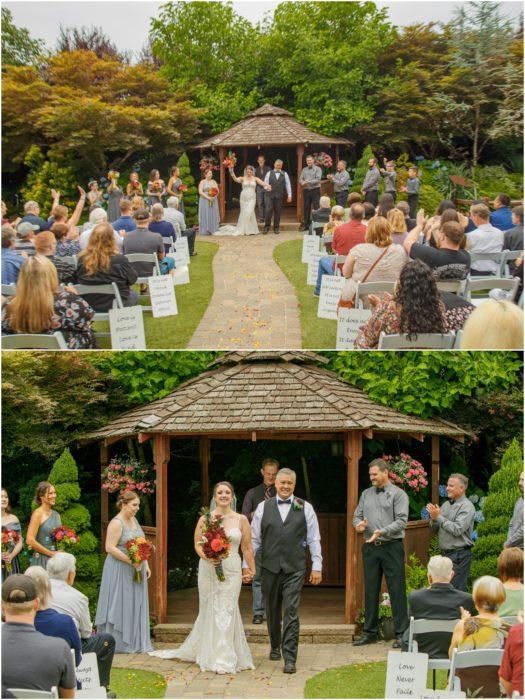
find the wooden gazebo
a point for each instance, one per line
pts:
(268, 127)
(272, 396)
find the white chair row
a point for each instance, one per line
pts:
(34, 341)
(502, 259)
(430, 627)
(471, 659)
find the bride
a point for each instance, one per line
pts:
(247, 223)
(217, 641)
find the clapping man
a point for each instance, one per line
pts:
(259, 494)
(454, 522)
(382, 514)
(342, 183)
(370, 185)
(310, 181)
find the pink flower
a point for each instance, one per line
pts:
(129, 470)
(413, 483)
(424, 482)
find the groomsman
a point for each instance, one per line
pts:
(371, 182)
(342, 183)
(310, 181)
(261, 171)
(259, 494)
(283, 527)
(382, 514)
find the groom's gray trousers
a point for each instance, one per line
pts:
(282, 596)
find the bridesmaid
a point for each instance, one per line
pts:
(209, 218)
(43, 520)
(156, 188)
(11, 522)
(123, 608)
(173, 187)
(115, 195)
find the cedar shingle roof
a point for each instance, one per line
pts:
(268, 126)
(267, 391)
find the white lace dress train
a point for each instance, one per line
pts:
(217, 641)
(247, 222)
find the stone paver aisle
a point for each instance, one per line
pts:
(266, 681)
(253, 304)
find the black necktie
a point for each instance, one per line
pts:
(280, 503)
(380, 489)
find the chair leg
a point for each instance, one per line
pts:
(433, 679)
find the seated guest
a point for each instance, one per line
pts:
(175, 215)
(159, 225)
(353, 198)
(49, 621)
(513, 237)
(12, 260)
(386, 204)
(65, 246)
(378, 259)
(510, 573)
(405, 210)
(32, 216)
(26, 237)
(101, 263)
(46, 245)
(398, 222)
(322, 215)
(511, 669)
(408, 312)
(494, 325)
(369, 212)
(69, 601)
(441, 601)
(346, 236)
(449, 261)
(501, 217)
(125, 221)
(39, 306)
(142, 240)
(484, 631)
(484, 239)
(30, 660)
(96, 217)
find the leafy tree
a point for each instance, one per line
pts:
(361, 169)
(46, 174)
(497, 512)
(88, 39)
(223, 106)
(18, 48)
(191, 194)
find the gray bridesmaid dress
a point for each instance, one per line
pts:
(43, 537)
(114, 198)
(209, 218)
(123, 607)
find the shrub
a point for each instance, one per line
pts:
(497, 511)
(45, 174)
(190, 195)
(77, 517)
(415, 574)
(66, 494)
(361, 168)
(64, 470)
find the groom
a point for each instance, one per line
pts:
(282, 527)
(273, 203)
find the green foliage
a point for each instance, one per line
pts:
(64, 469)
(191, 197)
(361, 169)
(18, 48)
(224, 105)
(77, 517)
(26, 495)
(45, 174)
(66, 494)
(429, 199)
(88, 544)
(493, 179)
(497, 511)
(415, 574)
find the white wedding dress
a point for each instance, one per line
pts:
(217, 641)
(247, 223)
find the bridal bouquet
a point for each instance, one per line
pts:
(215, 542)
(10, 538)
(230, 160)
(139, 550)
(64, 537)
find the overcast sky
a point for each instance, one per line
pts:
(127, 21)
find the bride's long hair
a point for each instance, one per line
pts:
(213, 503)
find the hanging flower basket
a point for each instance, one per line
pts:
(126, 474)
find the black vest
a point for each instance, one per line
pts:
(283, 544)
(278, 185)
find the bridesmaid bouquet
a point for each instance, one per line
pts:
(139, 550)
(215, 542)
(157, 185)
(64, 537)
(9, 539)
(182, 187)
(213, 192)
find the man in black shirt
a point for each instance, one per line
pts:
(449, 262)
(254, 496)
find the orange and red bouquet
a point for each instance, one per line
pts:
(230, 160)
(215, 542)
(10, 538)
(139, 550)
(64, 537)
(182, 187)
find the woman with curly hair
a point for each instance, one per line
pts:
(416, 307)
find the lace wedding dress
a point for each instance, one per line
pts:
(217, 641)
(247, 223)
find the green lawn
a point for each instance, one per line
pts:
(128, 683)
(317, 333)
(174, 332)
(357, 681)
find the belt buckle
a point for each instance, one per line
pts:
(378, 543)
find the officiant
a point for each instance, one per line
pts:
(254, 496)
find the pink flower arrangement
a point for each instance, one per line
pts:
(125, 474)
(407, 472)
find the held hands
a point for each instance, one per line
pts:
(371, 540)
(433, 511)
(360, 527)
(247, 575)
(315, 578)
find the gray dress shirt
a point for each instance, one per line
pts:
(341, 181)
(311, 177)
(413, 185)
(455, 524)
(386, 511)
(390, 180)
(515, 534)
(371, 181)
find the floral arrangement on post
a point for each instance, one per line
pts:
(323, 160)
(208, 163)
(409, 474)
(125, 474)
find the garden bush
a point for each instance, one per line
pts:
(361, 169)
(497, 512)
(44, 175)
(190, 196)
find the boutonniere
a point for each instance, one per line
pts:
(298, 504)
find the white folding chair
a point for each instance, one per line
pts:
(424, 341)
(506, 257)
(147, 258)
(317, 228)
(430, 627)
(455, 286)
(470, 659)
(168, 240)
(85, 290)
(366, 288)
(485, 284)
(510, 620)
(99, 692)
(457, 341)
(8, 290)
(34, 341)
(24, 693)
(494, 257)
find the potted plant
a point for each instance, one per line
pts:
(387, 629)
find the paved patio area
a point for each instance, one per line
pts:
(185, 680)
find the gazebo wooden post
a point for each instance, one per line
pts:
(245, 156)
(204, 455)
(434, 492)
(104, 496)
(300, 154)
(353, 448)
(336, 153)
(161, 455)
(222, 186)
